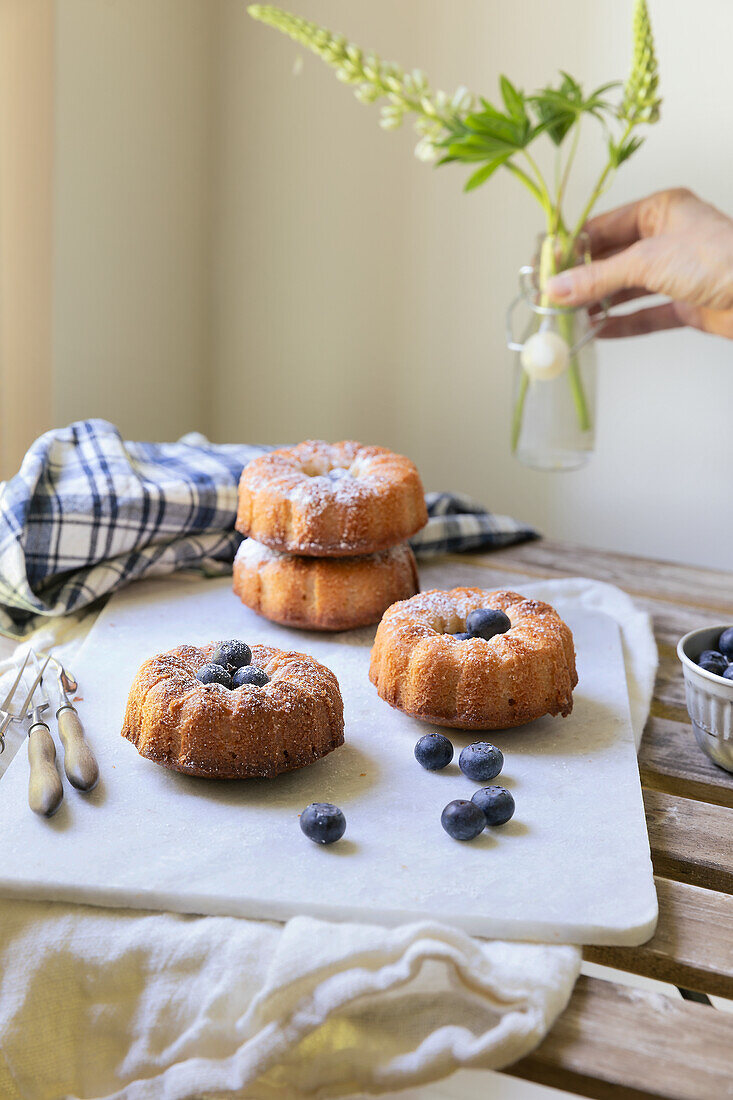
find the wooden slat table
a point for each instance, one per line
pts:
(614, 1041)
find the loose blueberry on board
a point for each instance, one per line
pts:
(481, 761)
(434, 751)
(463, 820)
(322, 822)
(461, 637)
(214, 674)
(713, 662)
(250, 674)
(725, 643)
(486, 622)
(496, 803)
(232, 654)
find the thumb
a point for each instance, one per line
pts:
(596, 280)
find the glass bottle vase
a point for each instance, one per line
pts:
(553, 407)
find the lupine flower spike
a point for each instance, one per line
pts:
(403, 93)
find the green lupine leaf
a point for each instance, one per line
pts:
(472, 148)
(494, 125)
(555, 120)
(570, 83)
(485, 172)
(513, 100)
(601, 89)
(618, 153)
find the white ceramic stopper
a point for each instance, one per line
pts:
(545, 355)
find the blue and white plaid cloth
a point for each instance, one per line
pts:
(88, 513)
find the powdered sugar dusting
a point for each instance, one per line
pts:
(253, 553)
(331, 498)
(209, 729)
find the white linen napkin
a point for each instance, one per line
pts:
(103, 1003)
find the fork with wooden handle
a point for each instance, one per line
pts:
(80, 764)
(45, 792)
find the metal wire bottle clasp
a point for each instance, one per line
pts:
(529, 294)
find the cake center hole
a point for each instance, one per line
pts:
(323, 468)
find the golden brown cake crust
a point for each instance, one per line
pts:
(208, 730)
(291, 500)
(508, 681)
(323, 593)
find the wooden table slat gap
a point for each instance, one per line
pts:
(617, 1042)
(692, 946)
(670, 760)
(690, 841)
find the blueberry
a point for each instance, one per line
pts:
(710, 653)
(725, 643)
(463, 820)
(485, 622)
(461, 637)
(728, 674)
(214, 674)
(434, 751)
(496, 803)
(232, 654)
(250, 674)
(481, 761)
(323, 822)
(714, 662)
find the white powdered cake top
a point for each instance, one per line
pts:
(254, 553)
(289, 674)
(445, 611)
(315, 473)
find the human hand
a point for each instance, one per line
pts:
(670, 243)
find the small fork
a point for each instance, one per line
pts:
(45, 792)
(7, 716)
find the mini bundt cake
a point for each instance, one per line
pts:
(287, 713)
(330, 499)
(323, 593)
(426, 662)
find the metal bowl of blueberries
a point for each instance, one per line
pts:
(707, 663)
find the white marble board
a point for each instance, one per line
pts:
(572, 866)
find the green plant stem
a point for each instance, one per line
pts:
(565, 176)
(565, 323)
(518, 414)
(528, 182)
(599, 187)
(540, 181)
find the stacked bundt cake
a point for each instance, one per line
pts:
(326, 527)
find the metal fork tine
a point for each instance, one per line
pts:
(31, 693)
(37, 663)
(6, 701)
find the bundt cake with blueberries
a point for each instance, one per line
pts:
(323, 593)
(474, 659)
(330, 499)
(225, 711)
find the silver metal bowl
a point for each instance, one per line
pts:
(709, 698)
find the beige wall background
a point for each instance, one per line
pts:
(240, 249)
(26, 224)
